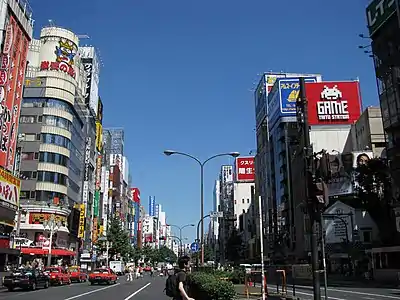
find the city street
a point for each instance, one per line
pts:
(141, 289)
(345, 293)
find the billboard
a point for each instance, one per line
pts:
(85, 189)
(81, 231)
(152, 204)
(245, 169)
(227, 174)
(157, 211)
(88, 67)
(12, 76)
(99, 116)
(95, 232)
(333, 103)
(92, 65)
(378, 12)
(9, 190)
(135, 195)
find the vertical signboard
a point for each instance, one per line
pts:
(96, 202)
(81, 231)
(85, 190)
(88, 66)
(95, 230)
(245, 169)
(12, 73)
(152, 203)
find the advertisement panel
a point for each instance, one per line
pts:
(40, 218)
(88, 66)
(9, 190)
(95, 230)
(245, 169)
(378, 12)
(333, 103)
(86, 175)
(99, 137)
(135, 195)
(12, 76)
(152, 204)
(289, 89)
(157, 211)
(81, 231)
(99, 116)
(227, 174)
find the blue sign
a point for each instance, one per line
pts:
(152, 204)
(194, 247)
(289, 89)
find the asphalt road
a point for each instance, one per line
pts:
(141, 289)
(345, 293)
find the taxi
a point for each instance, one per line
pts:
(103, 275)
(58, 275)
(76, 274)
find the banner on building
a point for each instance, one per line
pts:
(96, 203)
(9, 190)
(95, 230)
(85, 190)
(99, 137)
(81, 232)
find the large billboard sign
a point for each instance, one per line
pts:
(135, 195)
(333, 103)
(378, 12)
(9, 190)
(245, 169)
(12, 77)
(227, 174)
(88, 66)
(82, 219)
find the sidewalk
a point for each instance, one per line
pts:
(255, 293)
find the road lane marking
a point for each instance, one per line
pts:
(311, 295)
(351, 292)
(91, 292)
(136, 292)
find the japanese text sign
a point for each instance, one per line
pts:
(245, 169)
(9, 190)
(81, 232)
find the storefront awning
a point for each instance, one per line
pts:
(40, 251)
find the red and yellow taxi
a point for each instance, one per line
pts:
(103, 275)
(58, 275)
(76, 274)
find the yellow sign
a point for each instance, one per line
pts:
(39, 218)
(9, 190)
(101, 230)
(99, 136)
(81, 232)
(95, 230)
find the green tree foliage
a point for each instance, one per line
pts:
(374, 191)
(167, 255)
(119, 240)
(208, 254)
(154, 256)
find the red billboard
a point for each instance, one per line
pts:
(333, 103)
(135, 195)
(13, 65)
(245, 169)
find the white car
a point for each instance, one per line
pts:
(331, 93)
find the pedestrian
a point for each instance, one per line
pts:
(181, 276)
(151, 271)
(131, 272)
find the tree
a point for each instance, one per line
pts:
(119, 239)
(208, 254)
(374, 191)
(167, 255)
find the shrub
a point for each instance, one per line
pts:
(209, 287)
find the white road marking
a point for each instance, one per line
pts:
(311, 295)
(137, 292)
(351, 292)
(91, 292)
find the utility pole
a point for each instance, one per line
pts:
(309, 178)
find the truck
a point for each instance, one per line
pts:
(118, 267)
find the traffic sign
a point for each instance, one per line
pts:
(216, 214)
(194, 247)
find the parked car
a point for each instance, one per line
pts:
(105, 275)
(76, 274)
(26, 279)
(58, 275)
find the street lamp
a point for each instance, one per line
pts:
(180, 228)
(52, 226)
(202, 164)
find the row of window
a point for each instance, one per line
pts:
(45, 176)
(47, 120)
(41, 195)
(53, 103)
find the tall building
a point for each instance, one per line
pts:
(383, 26)
(17, 26)
(264, 184)
(56, 141)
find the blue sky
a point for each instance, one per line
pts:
(177, 75)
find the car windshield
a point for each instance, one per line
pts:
(22, 272)
(52, 270)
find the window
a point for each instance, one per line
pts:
(27, 155)
(248, 200)
(56, 139)
(48, 196)
(367, 236)
(24, 194)
(52, 177)
(27, 119)
(26, 175)
(30, 137)
(57, 122)
(242, 200)
(54, 158)
(40, 119)
(235, 201)
(33, 194)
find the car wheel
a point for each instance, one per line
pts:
(46, 285)
(10, 288)
(33, 286)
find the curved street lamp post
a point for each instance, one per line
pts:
(201, 164)
(180, 228)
